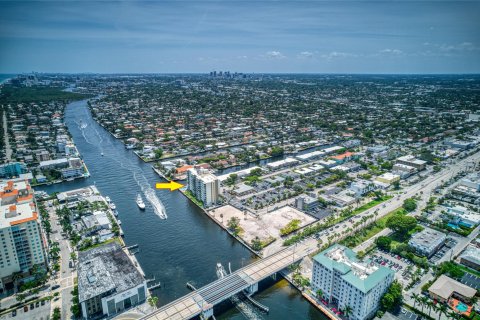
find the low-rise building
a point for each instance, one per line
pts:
(108, 282)
(306, 203)
(12, 169)
(388, 178)
(471, 257)
(362, 187)
(345, 281)
(427, 241)
(445, 288)
(410, 160)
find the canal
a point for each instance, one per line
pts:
(184, 247)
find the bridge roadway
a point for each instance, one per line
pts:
(206, 297)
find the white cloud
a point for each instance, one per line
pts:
(336, 54)
(274, 55)
(305, 55)
(391, 51)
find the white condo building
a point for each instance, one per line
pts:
(21, 238)
(204, 185)
(346, 281)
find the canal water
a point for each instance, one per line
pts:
(186, 246)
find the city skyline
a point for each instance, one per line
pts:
(265, 37)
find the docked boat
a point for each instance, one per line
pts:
(140, 202)
(119, 222)
(115, 213)
(113, 206)
(108, 199)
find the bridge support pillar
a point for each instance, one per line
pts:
(207, 313)
(253, 288)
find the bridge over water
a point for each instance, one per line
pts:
(201, 301)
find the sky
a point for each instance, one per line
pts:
(302, 36)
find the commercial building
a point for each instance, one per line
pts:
(388, 178)
(306, 203)
(427, 241)
(242, 189)
(413, 162)
(22, 241)
(108, 282)
(12, 169)
(445, 288)
(204, 185)
(362, 187)
(403, 170)
(344, 280)
(471, 257)
(287, 162)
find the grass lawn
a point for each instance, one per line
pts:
(194, 200)
(371, 230)
(371, 204)
(468, 270)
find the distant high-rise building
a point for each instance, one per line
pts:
(345, 281)
(22, 241)
(204, 185)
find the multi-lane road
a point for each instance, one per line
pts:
(422, 189)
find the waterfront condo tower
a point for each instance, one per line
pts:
(21, 239)
(343, 280)
(204, 185)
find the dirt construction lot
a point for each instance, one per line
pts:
(268, 225)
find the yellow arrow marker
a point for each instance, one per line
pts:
(172, 185)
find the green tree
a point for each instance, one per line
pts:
(158, 153)
(234, 225)
(152, 301)
(384, 242)
(57, 314)
(401, 224)
(257, 244)
(410, 204)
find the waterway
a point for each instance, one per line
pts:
(184, 247)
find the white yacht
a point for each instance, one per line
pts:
(140, 202)
(108, 199)
(113, 206)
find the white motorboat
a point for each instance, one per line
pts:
(113, 206)
(140, 202)
(108, 199)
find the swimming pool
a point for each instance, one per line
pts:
(461, 307)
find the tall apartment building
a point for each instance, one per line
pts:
(346, 281)
(21, 240)
(204, 185)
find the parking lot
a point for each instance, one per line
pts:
(449, 244)
(404, 269)
(405, 314)
(33, 311)
(471, 280)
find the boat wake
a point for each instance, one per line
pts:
(137, 173)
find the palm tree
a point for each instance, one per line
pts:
(319, 293)
(416, 298)
(430, 305)
(152, 301)
(423, 302)
(15, 277)
(347, 311)
(442, 309)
